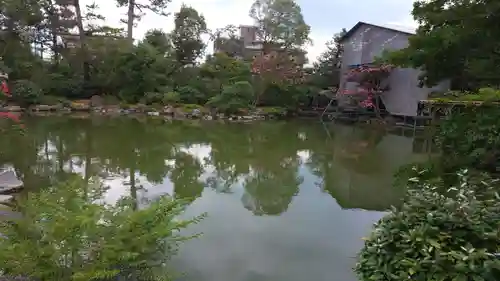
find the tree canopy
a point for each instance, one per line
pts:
(456, 40)
(58, 50)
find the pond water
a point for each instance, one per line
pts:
(285, 200)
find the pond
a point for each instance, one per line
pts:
(285, 200)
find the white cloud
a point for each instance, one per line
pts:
(218, 13)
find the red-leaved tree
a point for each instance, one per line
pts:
(276, 67)
(371, 81)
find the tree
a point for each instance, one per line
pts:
(455, 40)
(155, 6)
(70, 236)
(326, 72)
(186, 37)
(233, 97)
(280, 22)
(159, 40)
(220, 70)
(283, 32)
(94, 59)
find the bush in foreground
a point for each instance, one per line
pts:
(64, 234)
(450, 237)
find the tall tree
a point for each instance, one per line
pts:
(280, 22)
(456, 40)
(155, 6)
(282, 30)
(326, 71)
(189, 26)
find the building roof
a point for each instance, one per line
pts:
(395, 28)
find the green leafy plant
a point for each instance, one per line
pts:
(471, 138)
(65, 233)
(436, 236)
(171, 98)
(25, 92)
(233, 97)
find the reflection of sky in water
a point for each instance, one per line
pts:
(313, 240)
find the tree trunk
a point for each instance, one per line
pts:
(130, 21)
(133, 188)
(83, 42)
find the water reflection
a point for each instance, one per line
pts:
(286, 201)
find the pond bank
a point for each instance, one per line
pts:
(178, 112)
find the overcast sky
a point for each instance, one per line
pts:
(326, 17)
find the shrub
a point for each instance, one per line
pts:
(190, 107)
(471, 138)
(151, 98)
(233, 97)
(189, 94)
(25, 92)
(110, 100)
(435, 236)
(274, 111)
(65, 234)
(171, 98)
(51, 100)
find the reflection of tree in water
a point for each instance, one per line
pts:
(358, 151)
(356, 171)
(270, 194)
(264, 157)
(185, 176)
(273, 181)
(261, 155)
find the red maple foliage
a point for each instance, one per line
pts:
(278, 67)
(9, 115)
(369, 79)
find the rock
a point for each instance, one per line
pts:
(140, 108)
(80, 106)
(168, 110)
(208, 117)
(13, 108)
(5, 198)
(96, 101)
(178, 113)
(42, 107)
(196, 113)
(153, 113)
(9, 214)
(9, 181)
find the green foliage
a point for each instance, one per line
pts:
(65, 234)
(437, 237)
(51, 100)
(455, 40)
(109, 64)
(483, 94)
(233, 97)
(187, 41)
(470, 138)
(151, 98)
(189, 94)
(171, 98)
(26, 92)
(280, 21)
(326, 71)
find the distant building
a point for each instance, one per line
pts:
(362, 44)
